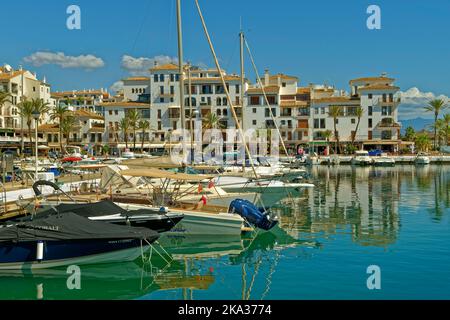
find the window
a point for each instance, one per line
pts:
(116, 112)
(283, 84)
(272, 100)
(161, 78)
(177, 77)
(391, 97)
(172, 90)
(225, 113)
(161, 89)
(132, 90)
(219, 112)
(254, 110)
(384, 97)
(322, 110)
(370, 96)
(386, 111)
(34, 89)
(238, 89)
(225, 101)
(254, 100)
(172, 77)
(159, 113)
(155, 78)
(370, 110)
(322, 124)
(353, 121)
(110, 112)
(254, 122)
(370, 123)
(161, 100)
(316, 124)
(218, 101)
(171, 100)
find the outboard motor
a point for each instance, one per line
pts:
(254, 215)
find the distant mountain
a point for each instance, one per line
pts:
(417, 123)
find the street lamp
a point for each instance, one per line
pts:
(36, 116)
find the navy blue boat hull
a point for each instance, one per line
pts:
(57, 253)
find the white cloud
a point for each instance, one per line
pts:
(140, 66)
(414, 101)
(116, 87)
(41, 58)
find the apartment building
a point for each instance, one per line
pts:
(205, 88)
(378, 126)
(20, 84)
(88, 100)
(87, 132)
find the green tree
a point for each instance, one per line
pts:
(134, 117)
(423, 143)
(124, 126)
(67, 124)
(335, 112)
(212, 121)
(446, 120)
(436, 106)
(410, 134)
(144, 126)
(58, 114)
(359, 112)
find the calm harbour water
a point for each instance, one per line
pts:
(396, 218)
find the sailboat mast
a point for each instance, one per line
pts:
(181, 72)
(241, 38)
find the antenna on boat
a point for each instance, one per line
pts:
(266, 98)
(241, 38)
(227, 92)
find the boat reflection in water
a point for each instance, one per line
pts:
(119, 281)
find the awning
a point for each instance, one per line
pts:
(382, 143)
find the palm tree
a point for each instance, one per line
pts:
(133, 117)
(58, 113)
(335, 112)
(144, 126)
(446, 121)
(423, 142)
(124, 126)
(359, 112)
(212, 122)
(436, 106)
(66, 126)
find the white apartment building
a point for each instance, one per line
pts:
(136, 89)
(87, 100)
(20, 84)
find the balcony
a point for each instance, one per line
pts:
(387, 102)
(388, 123)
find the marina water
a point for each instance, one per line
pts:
(394, 218)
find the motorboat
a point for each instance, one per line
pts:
(362, 158)
(69, 239)
(199, 218)
(383, 161)
(157, 219)
(422, 159)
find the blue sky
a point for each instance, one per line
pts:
(323, 41)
